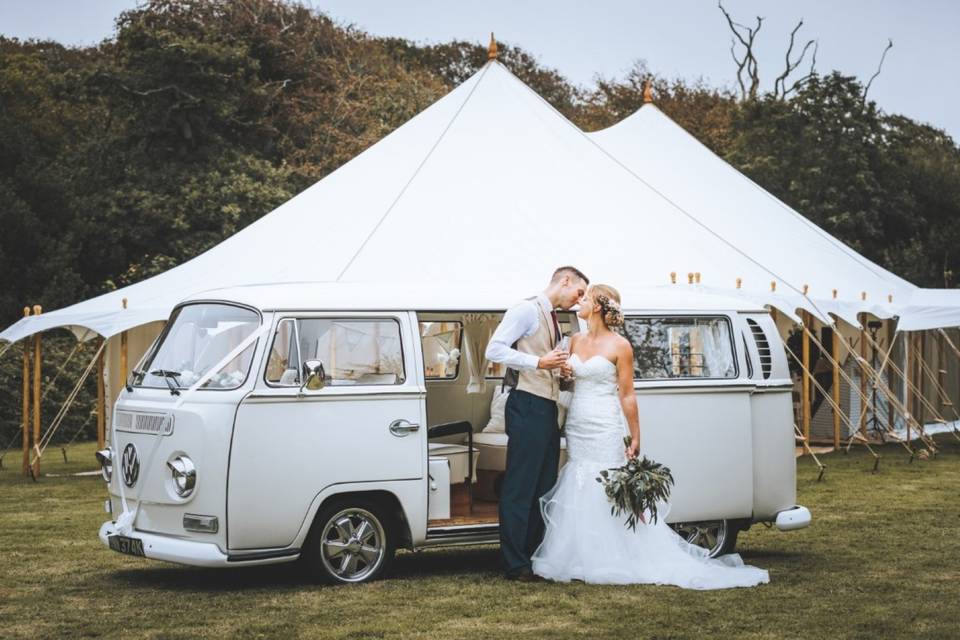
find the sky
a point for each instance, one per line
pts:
(685, 38)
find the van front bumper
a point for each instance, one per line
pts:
(196, 553)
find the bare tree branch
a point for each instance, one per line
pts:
(749, 62)
(883, 57)
(740, 65)
(813, 66)
(780, 84)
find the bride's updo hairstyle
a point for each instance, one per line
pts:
(609, 300)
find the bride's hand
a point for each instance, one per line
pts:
(633, 450)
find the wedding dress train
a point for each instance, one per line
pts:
(583, 541)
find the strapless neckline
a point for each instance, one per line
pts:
(597, 355)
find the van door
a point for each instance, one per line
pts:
(366, 425)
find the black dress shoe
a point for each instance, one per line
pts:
(524, 575)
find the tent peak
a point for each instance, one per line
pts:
(647, 91)
(492, 50)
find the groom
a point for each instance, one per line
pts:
(527, 343)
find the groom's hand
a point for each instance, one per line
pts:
(553, 360)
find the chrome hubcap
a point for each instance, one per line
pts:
(353, 544)
(709, 535)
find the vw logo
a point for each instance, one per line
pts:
(130, 465)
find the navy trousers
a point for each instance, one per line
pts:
(533, 457)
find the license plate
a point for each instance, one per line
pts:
(129, 546)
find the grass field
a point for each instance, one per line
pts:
(881, 560)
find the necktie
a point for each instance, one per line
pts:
(556, 327)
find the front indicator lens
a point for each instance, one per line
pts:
(105, 458)
(184, 475)
(202, 524)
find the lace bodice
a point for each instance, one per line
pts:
(595, 425)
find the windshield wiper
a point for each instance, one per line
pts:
(166, 375)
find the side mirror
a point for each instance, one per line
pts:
(314, 376)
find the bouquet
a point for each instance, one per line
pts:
(636, 487)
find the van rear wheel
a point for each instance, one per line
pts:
(718, 537)
(351, 541)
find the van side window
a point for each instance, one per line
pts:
(353, 351)
(681, 347)
(442, 349)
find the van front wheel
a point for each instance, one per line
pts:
(350, 542)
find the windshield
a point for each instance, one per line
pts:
(199, 337)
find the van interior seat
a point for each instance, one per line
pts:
(492, 446)
(289, 378)
(456, 455)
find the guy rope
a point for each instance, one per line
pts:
(941, 395)
(877, 381)
(40, 447)
(923, 435)
(826, 396)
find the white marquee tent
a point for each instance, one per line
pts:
(491, 185)
(661, 153)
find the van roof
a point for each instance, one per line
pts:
(335, 296)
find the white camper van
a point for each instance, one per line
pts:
(335, 423)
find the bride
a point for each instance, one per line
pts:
(583, 541)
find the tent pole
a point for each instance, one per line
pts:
(912, 381)
(26, 402)
(123, 355)
(836, 385)
(37, 310)
(921, 363)
(892, 336)
(805, 399)
(942, 370)
(862, 317)
(101, 401)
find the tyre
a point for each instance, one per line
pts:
(351, 541)
(718, 537)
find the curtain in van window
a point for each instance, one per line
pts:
(478, 328)
(716, 348)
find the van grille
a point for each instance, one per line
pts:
(763, 347)
(155, 423)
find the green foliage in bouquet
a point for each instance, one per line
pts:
(636, 487)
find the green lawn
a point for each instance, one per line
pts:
(881, 560)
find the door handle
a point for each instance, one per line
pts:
(401, 428)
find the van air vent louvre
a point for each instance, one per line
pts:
(763, 347)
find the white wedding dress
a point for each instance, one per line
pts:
(583, 541)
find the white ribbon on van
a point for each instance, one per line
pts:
(126, 520)
(227, 359)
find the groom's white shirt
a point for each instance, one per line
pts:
(520, 321)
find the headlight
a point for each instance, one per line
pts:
(184, 475)
(105, 458)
